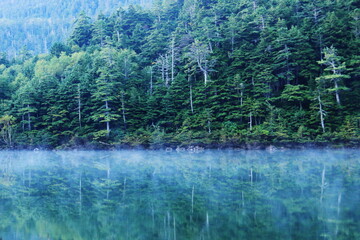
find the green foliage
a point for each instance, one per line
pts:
(82, 32)
(192, 71)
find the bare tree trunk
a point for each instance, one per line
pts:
(167, 79)
(201, 53)
(191, 96)
(29, 118)
(118, 36)
(337, 92)
(335, 72)
(107, 121)
(205, 76)
(322, 114)
(79, 105)
(123, 108)
(172, 59)
(210, 47)
(250, 122)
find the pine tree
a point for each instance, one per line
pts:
(106, 88)
(334, 72)
(82, 33)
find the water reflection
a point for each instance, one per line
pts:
(170, 195)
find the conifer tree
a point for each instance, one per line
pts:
(82, 32)
(334, 72)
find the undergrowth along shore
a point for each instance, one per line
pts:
(193, 146)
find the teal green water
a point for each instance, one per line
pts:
(309, 194)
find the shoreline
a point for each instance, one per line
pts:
(271, 146)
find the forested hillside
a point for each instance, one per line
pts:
(36, 24)
(192, 71)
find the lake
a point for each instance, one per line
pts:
(291, 194)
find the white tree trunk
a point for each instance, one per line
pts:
(167, 79)
(29, 118)
(335, 72)
(241, 97)
(337, 92)
(123, 108)
(172, 59)
(322, 114)
(118, 36)
(79, 105)
(210, 47)
(191, 98)
(250, 122)
(205, 76)
(107, 121)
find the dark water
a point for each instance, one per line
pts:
(312, 194)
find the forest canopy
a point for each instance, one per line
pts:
(191, 71)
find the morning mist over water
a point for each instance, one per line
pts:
(297, 194)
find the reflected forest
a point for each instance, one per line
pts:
(311, 194)
(180, 72)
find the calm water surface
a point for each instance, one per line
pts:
(312, 194)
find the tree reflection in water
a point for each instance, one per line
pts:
(310, 194)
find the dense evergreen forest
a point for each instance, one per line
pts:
(191, 71)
